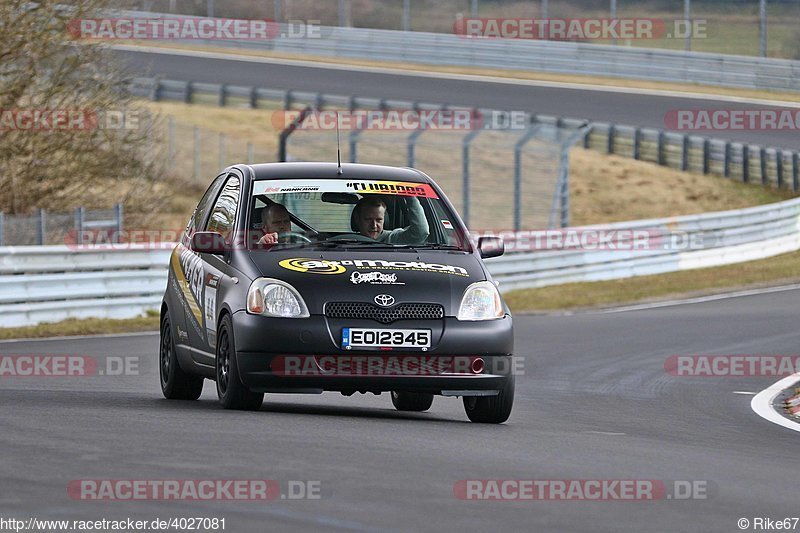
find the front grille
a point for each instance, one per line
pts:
(384, 315)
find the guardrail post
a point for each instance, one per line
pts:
(706, 156)
(118, 215)
(254, 98)
(746, 163)
(41, 221)
(155, 91)
(187, 93)
(779, 167)
(637, 143)
(79, 215)
(250, 154)
(351, 103)
(726, 160)
(2, 234)
(412, 144)
(762, 163)
(660, 152)
(221, 96)
(518, 175)
(196, 149)
(612, 133)
(795, 169)
(465, 184)
(287, 99)
(221, 150)
(685, 153)
(278, 11)
(283, 139)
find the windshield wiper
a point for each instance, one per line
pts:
(438, 246)
(357, 242)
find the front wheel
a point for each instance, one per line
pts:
(232, 393)
(412, 401)
(175, 383)
(491, 409)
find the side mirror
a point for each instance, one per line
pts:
(491, 247)
(208, 242)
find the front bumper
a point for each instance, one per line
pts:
(263, 346)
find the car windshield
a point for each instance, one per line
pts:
(351, 213)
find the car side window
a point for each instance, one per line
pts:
(203, 206)
(223, 216)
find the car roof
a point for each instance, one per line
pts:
(319, 170)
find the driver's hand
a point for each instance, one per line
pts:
(268, 238)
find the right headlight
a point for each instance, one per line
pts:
(276, 298)
(481, 301)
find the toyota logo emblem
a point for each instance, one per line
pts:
(384, 300)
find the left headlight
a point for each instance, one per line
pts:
(481, 301)
(276, 298)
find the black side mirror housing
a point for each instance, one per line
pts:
(491, 247)
(208, 242)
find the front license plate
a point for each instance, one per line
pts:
(386, 338)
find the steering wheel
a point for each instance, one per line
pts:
(351, 237)
(291, 234)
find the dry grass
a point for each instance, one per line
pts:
(774, 271)
(610, 188)
(88, 326)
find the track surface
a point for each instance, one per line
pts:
(594, 403)
(630, 109)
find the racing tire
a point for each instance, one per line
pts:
(175, 383)
(412, 401)
(491, 409)
(232, 393)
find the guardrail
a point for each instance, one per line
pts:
(674, 66)
(51, 283)
(741, 161)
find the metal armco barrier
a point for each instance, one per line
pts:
(51, 283)
(721, 70)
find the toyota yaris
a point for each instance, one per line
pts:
(313, 277)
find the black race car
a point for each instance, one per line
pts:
(312, 277)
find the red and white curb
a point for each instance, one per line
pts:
(762, 403)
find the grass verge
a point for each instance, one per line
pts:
(774, 271)
(87, 326)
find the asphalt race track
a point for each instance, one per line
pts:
(631, 109)
(594, 403)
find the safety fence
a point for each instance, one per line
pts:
(45, 227)
(744, 162)
(51, 283)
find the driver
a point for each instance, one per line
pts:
(369, 216)
(275, 220)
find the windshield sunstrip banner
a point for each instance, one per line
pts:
(402, 188)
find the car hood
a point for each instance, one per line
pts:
(359, 276)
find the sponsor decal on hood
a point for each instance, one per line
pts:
(324, 266)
